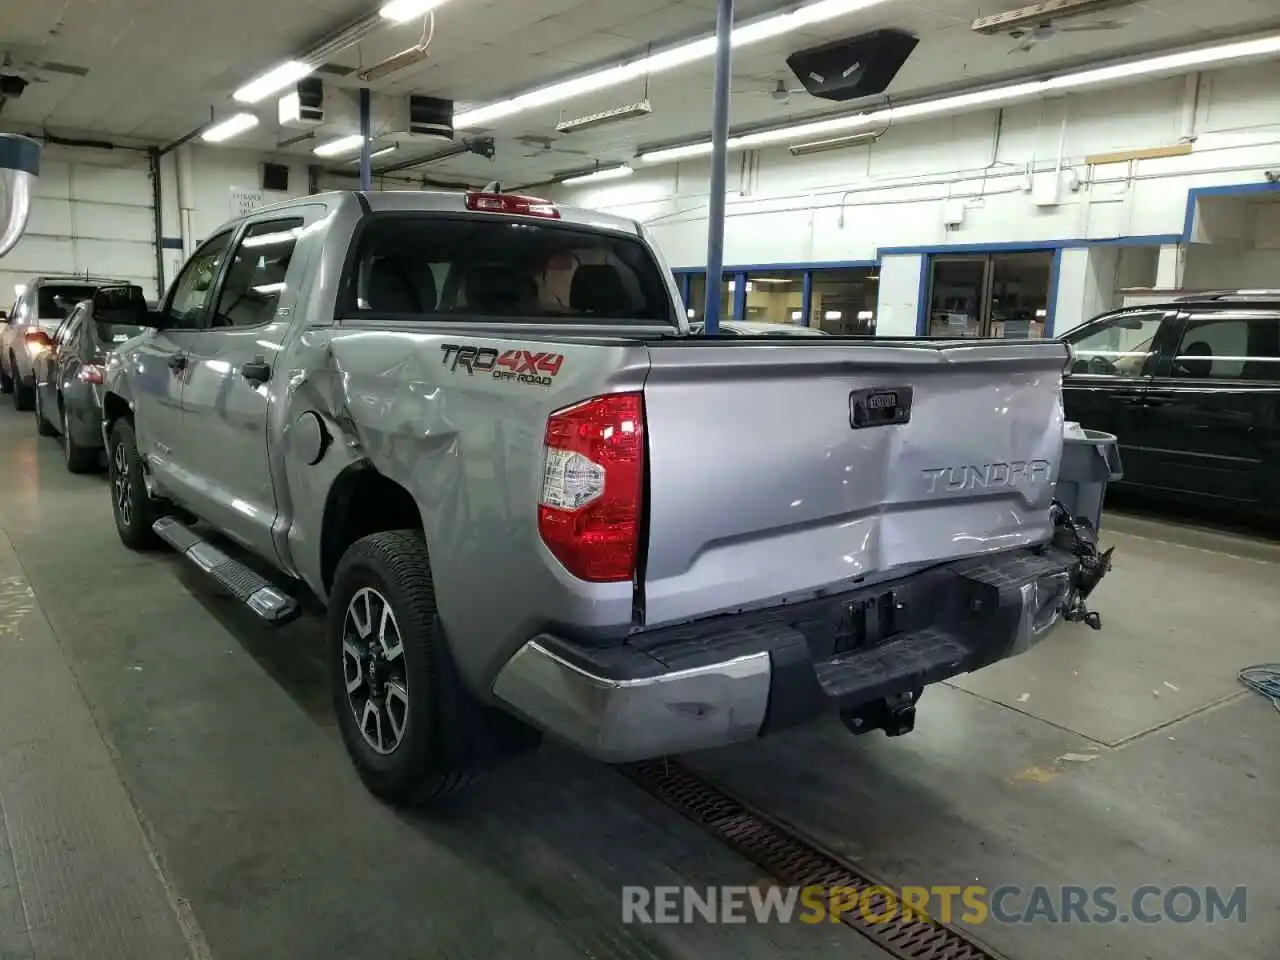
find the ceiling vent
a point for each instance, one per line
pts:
(1039, 14)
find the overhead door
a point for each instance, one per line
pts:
(92, 215)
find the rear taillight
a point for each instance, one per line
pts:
(590, 511)
(90, 373)
(37, 341)
(511, 203)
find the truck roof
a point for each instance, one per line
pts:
(435, 201)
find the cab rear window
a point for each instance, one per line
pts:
(55, 301)
(501, 268)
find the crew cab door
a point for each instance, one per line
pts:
(231, 365)
(1106, 388)
(1214, 413)
(157, 364)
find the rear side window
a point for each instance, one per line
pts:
(467, 267)
(1230, 348)
(56, 301)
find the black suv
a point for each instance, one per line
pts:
(1192, 390)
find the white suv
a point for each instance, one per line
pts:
(41, 305)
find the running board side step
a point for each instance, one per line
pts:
(263, 598)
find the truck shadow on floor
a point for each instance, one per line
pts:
(292, 655)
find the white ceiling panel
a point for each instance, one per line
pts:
(156, 68)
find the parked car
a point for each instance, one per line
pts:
(528, 501)
(1191, 388)
(757, 328)
(68, 375)
(41, 305)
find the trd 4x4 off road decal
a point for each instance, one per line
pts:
(522, 366)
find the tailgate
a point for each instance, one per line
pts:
(777, 470)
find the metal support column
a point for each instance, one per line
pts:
(719, 165)
(366, 146)
(807, 295)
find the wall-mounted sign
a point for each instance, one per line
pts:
(245, 200)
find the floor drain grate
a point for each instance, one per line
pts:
(797, 861)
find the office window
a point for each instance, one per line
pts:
(844, 301)
(775, 297)
(698, 296)
(1230, 348)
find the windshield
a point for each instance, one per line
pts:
(55, 301)
(501, 268)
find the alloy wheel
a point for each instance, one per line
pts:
(121, 483)
(374, 670)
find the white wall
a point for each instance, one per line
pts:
(1219, 267)
(849, 204)
(198, 187)
(94, 211)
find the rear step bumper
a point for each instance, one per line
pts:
(254, 591)
(736, 677)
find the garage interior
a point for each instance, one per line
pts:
(171, 782)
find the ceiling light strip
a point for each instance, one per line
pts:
(231, 127)
(1262, 47)
(691, 51)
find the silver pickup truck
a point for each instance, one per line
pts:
(476, 427)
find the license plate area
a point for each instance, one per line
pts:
(879, 406)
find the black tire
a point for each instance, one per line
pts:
(128, 488)
(43, 426)
(427, 762)
(79, 459)
(24, 397)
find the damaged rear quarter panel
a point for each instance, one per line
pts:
(458, 420)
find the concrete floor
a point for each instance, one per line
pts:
(172, 783)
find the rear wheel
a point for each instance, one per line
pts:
(79, 459)
(24, 397)
(43, 426)
(134, 511)
(388, 671)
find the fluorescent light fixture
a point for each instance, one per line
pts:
(341, 145)
(230, 127)
(866, 315)
(266, 288)
(629, 112)
(771, 280)
(1166, 64)
(380, 152)
(691, 51)
(796, 316)
(402, 11)
(595, 176)
(835, 143)
(832, 315)
(690, 313)
(273, 81)
(1041, 314)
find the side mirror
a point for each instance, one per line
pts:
(123, 304)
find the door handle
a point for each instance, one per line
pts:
(256, 371)
(178, 362)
